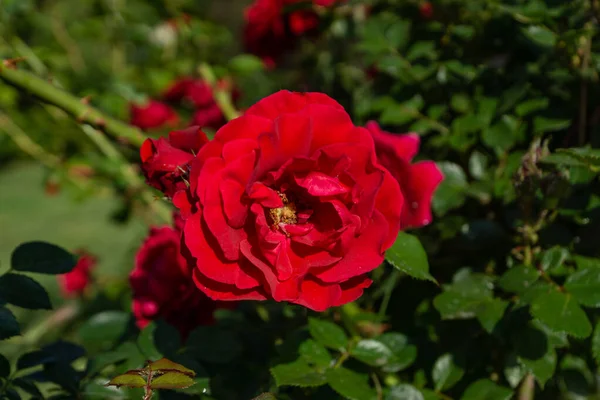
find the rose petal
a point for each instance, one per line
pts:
(318, 296)
(219, 291)
(418, 186)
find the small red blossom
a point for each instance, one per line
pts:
(153, 114)
(75, 282)
(165, 162)
(162, 284)
(417, 181)
(426, 10)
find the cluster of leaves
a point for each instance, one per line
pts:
(505, 96)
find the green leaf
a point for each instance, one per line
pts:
(561, 313)
(519, 278)
(542, 368)
(404, 392)
(315, 353)
(484, 389)
(399, 114)
(42, 257)
(587, 155)
(421, 49)
(350, 384)
(166, 364)
(490, 312)
(584, 285)
(130, 379)
(146, 344)
(460, 102)
(102, 330)
(167, 338)
(213, 344)
(403, 353)
(596, 344)
(478, 165)
(503, 135)
(328, 334)
(407, 255)
(446, 373)
(554, 258)
(23, 291)
(451, 193)
(172, 380)
(542, 124)
(529, 106)
(9, 326)
(372, 352)
(464, 298)
(297, 373)
(4, 367)
(540, 35)
(246, 64)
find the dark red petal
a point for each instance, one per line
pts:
(320, 184)
(147, 150)
(215, 267)
(418, 187)
(363, 256)
(245, 127)
(352, 289)
(235, 210)
(291, 137)
(329, 125)
(219, 291)
(390, 202)
(318, 296)
(404, 146)
(284, 101)
(190, 139)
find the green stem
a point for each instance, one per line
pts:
(222, 96)
(78, 108)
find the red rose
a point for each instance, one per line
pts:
(165, 161)
(265, 33)
(74, 283)
(417, 181)
(426, 10)
(162, 285)
(195, 91)
(289, 202)
(153, 114)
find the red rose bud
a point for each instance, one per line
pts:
(426, 10)
(165, 162)
(303, 21)
(153, 114)
(162, 284)
(417, 181)
(289, 203)
(75, 282)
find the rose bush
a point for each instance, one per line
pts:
(290, 202)
(162, 286)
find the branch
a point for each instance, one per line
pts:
(84, 113)
(222, 96)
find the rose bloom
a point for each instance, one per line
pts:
(289, 202)
(75, 282)
(165, 162)
(153, 114)
(417, 181)
(270, 31)
(162, 285)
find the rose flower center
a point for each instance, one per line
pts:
(285, 215)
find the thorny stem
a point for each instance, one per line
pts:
(222, 95)
(26, 144)
(83, 112)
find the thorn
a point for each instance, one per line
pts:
(86, 100)
(12, 62)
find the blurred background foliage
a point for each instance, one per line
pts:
(506, 98)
